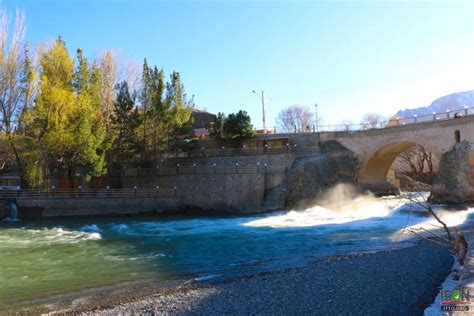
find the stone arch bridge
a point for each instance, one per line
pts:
(376, 149)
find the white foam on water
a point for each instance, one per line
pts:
(57, 235)
(340, 205)
(450, 218)
(94, 236)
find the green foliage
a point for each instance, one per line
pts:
(234, 126)
(125, 121)
(180, 123)
(153, 110)
(64, 127)
(73, 115)
(165, 112)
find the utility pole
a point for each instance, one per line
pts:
(262, 98)
(316, 117)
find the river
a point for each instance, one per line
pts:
(42, 259)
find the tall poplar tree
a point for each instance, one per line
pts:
(64, 123)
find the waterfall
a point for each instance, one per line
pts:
(13, 212)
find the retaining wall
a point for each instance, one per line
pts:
(59, 207)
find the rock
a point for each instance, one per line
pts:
(310, 176)
(453, 182)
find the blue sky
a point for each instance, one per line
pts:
(349, 57)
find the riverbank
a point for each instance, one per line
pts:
(401, 281)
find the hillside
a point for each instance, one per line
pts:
(452, 102)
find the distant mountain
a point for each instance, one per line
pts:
(452, 102)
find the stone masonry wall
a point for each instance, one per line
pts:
(58, 207)
(230, 191)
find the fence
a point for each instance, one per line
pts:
(265, 150)
(377, 124)
(90, 193)
(195, 169)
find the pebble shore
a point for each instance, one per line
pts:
(394, 282)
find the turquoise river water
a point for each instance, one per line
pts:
(42, 259)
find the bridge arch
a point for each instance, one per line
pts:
(374, 170)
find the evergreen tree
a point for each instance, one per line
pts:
(125, 121)
(238, 126)
(159, 111)
(234, 126)
(28, 78)
(218, 126)
(180, 109)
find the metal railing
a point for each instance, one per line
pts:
(90, 193)
(379, 124)
(242, 151)
(237, 168)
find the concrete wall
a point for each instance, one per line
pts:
(58, 207)
(231, 188)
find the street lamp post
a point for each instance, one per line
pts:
(316, 117)
(262, 98)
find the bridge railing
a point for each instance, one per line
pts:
(376, 124)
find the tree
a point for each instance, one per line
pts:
(28, 81)
(132, 76)
(16, 78)
(238, 126)
(218, 126)
(180, 123)
(158, 111)
(296, 118)
(109, 69)
(453, 240)
(234, 126)
(372, 120)
(125, 121)
(64, 129)
(420, 162)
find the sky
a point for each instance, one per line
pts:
(349, 57)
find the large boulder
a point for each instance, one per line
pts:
(310, 176)
(453, 182)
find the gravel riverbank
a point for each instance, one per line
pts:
(396, 282)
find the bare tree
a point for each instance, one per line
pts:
(296, 118)
(10, 69)
(12, 76)
(133, 75)
(420, 161)
(452, 239)
(110, 68)
(372, 120)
